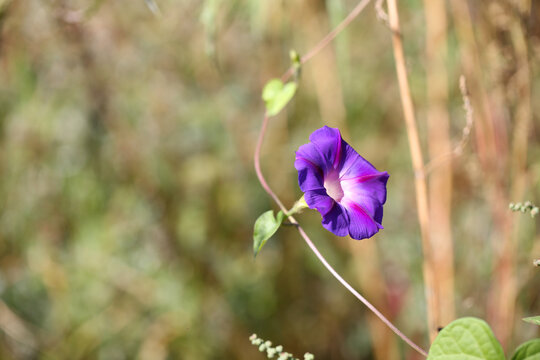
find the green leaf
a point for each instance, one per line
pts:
(271, 89)
(466, 339)
(277, 96)
(265, 226)
(529, 350)
(533, 320)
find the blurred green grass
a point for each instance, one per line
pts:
(128, 194)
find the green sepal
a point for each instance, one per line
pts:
(298, 206)
(265, 226)
(277, 95)
(466, 339)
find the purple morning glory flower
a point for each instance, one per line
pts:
(343, 186)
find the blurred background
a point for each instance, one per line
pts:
(128, 194)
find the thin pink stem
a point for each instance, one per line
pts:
(257, 164)
(317, 253)
(358, 296)
(332, 34)
(325, 41)
(328, 38)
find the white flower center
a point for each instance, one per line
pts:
(333, 186)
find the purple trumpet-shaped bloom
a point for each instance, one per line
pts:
(343, 186)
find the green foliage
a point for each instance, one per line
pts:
(533, 320)
(466, 339)
(528, 351)
(276, 95)
(265, 226)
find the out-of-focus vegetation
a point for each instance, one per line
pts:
(128, 194)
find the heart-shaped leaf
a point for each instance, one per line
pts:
(533, 320)
(265, 226)
(276, 95)
(466, 339)
(529, 350)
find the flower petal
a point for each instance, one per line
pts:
(328, 143)
(362, 225)
(354, 165)
(336, 220)
(319, 199)
(328, 163)
(310, 176)
(369, 191)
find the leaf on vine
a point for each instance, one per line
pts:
(533, 320)
(529, 350)
(265, 226)
(277, 95)
(466, 339)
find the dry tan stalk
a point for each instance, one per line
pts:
(505, 282)
(432, 300)
(440, 180)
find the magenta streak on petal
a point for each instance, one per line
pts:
(346, 170)
(362, 178)
(321, 154)
(360, 208)
(337, 158)
(318, 169)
